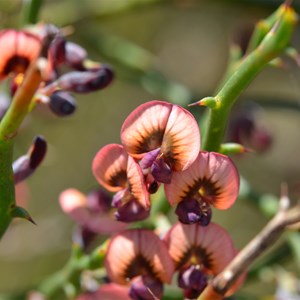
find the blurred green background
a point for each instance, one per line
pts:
(172, 50)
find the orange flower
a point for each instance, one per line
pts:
(120, 173)
(140, 256)
(212, 179)
(17, 50)
(164, 136)
(199, 253)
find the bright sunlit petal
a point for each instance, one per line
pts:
(143, 129)
(109, 167)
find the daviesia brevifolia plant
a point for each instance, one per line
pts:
(158, 186)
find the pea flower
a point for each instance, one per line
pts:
(120, 173)
(138, 256)
(163, 136)
(199, 253)
(212, 180)
(91, 212)
(17, 50)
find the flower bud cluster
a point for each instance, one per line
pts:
(20, 48)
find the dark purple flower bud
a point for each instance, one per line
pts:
(152, 187)
(75, 55)
(149, 158)
(246, 129)
(62, 103)
(57, 50)
(161, 171)
(192, 280)
(37, 152)
(131, 211)
(25, 165)
(99, 201)
(191, 211)
(145, 288)
(87, 81)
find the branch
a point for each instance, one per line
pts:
(285, 217)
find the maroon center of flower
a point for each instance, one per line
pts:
(16, 64)
(204, 190)
(148, 141)
(196, 256)
(119, 179)
(139, 266)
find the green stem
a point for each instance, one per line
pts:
(31, 9)
(8, 130)
(53, 286)
(7, 187)
(271, 46)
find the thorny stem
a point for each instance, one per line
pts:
(8, 129)
(9, 125)
(271, 46)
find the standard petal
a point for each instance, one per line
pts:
(210, 246)
(17, 50)
(109, 167)
(212, 177)
(28, 45)
(137, 185)
(181, 142)
(136, 252)
(121, 251)
(143, 129)
(179, 240)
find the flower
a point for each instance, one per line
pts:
(120, 173)
(164, 136)
(212, 180)
(140, 256)
(17, 50)
(92, 212)
(199, 253)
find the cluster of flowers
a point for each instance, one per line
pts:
(160, 145)
(198, 254)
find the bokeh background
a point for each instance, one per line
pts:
(175, 50)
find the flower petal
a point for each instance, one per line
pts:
(129, 245)
(143, 129)
(214, 172)
(75, 204)
(137, 185)
(211, 245)
(109, 167)
(181, 142)
(17, 50)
